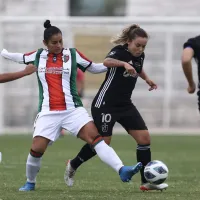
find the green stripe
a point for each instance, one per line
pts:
(36, 63)
(81, 67)
(73, 88)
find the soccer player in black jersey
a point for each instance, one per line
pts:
(113, 101)
(191, 49)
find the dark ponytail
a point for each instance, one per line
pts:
(47, 24)
(50, 30)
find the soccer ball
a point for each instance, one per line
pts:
(156, 172)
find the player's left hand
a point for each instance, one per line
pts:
(191, 88)
(153, 86)
(30, 68)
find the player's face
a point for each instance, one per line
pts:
(55, 44)
(137, 46)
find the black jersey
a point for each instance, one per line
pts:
(194, 43)
(116, 90)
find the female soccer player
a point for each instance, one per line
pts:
(113, 101)
(60, 106)
(7, 77)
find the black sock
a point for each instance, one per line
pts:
(85, 154)
(143, 156)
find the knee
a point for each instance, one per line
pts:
(144, 138)
(36, 154)
(88, 133)
(37, 149)
(107, 140)
(90, 137)
(39, 144)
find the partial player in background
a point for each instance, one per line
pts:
(113, 101)
(191, 49)
(61, 107)
(7, 77)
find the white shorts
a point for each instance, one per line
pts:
(48, 124)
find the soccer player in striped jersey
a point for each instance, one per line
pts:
(61, 107)
(11, 76)
(113, 101)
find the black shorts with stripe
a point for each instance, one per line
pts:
(106, 117)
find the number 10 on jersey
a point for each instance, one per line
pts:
(106, 117)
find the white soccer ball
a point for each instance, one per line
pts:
(156, 172)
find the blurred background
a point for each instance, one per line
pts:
(88, 25)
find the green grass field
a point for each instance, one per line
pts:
(94, 180)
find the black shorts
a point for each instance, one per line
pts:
(128, 117)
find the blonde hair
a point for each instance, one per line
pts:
(129, 33)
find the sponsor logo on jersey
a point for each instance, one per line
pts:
(126, 74)
(53, 70)
(112, 53)
(137, 64)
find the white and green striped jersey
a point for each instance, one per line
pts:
(57, 77)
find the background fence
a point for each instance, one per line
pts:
(168, 109)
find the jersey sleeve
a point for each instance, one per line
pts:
(29, 57)
(117, 53)
(82, 62)
(191, 43)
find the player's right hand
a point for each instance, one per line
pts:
(3, 52)
(30, 68)
(130, 69)
(191, 88)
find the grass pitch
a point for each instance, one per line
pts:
(95, 180)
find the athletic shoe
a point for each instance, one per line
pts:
(27, 187)
(149, 186)
(127, 172)
(69, 174)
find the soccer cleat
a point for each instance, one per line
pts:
(69, 174)
(27, 187)
(127, 172)
(149, 186)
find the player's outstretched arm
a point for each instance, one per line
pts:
(97, 68)
(16, 57)
(111, 62)
(186, 59)
(17, 75)
(143, 75)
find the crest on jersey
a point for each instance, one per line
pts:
(111, 53)
(137, 64)
(65, 58)
(104, 128)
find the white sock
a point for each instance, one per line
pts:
(32, 168)
(108, 156)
